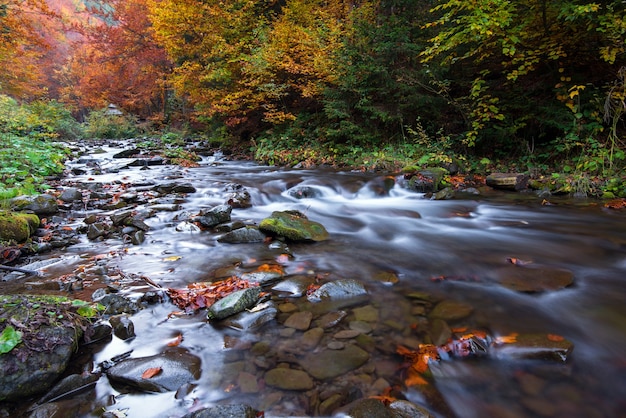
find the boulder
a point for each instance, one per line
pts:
(428, 180)
(234, 303)
(39, 335)
(18, 227)
(43, 204)
(507, 181)
(214, 216)
(171, 370)
(293, 226)
(245, 235)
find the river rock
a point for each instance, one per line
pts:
(288, 379)
(214, 216)
(537, 346)
(263, 278)
(534, 279)
(338, 294)
(49, 329)
(224, 411)
(311, 338)
(406, 409)
(451, 310)
(234, 303)
(427, 180)
(70, 385)
(299, 320)
(293, 287)
(238, 197)
(507, 181)
(43, 204)
(293, 226)
(304, 192)
(123, 327)
(16, 226)
(253, 319)
(328, 364)
(117, 304)
(71, 194)
(369, 408)
(177, 367)
(167, 188)
(245, 235)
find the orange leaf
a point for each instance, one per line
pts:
(414, 379)
(555, 337)
(507, 339)
(176, 341)
(151, 372)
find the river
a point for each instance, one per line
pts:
(455, 249)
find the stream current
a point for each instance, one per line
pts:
(451, 249)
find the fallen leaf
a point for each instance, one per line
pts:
(172, 258)
(151, 372)
(555, 337)
(176, 342)
(506, 339)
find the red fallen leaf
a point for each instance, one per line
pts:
(176, 342)
(506, 339)
(616, 204)
(555, 337)
(312, 288)
(151, 372)
(283, 258)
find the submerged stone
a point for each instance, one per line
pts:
(294, 226)
(329, 364)
(288, 379)
(534, 280)
(537, 346)
(450, 310)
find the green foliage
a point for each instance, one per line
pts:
(28, 153)
(9, 339)
(104, 124)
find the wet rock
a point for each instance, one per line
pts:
(534, 279)
(186, 226)
(386, 277)
(225, 411)
(366, 313)
(360, 326)
(299, 320)
(245, 235)
(507, 181)
(427, 181)
(440, 332)
(263, 278)
(338, 290)
(444, 194)
(294, 287)
(137, 237)
(117, 304)
(71, 194)
(43, 204)
(70, 386)
(99, 331)
(214, 216)
(304, 192)
(240, 199)
(293, 226)
(123, 327)
(168, 188)
(406, 409)
(177, 367)
(311, 338)
(536, 346)
(331, 319)
(328, 364)
(288, 379)
(234, 303)
(251, 320)
(229, 226)
(96, 230)
(49, 333)
(16, 226)
(450, 310)
(369, 408)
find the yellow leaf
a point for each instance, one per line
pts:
(172, 258)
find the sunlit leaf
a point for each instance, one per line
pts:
(151, 372)
(506, 339)
(555, 337)
(172, 258)
(9, 339)
(176, 341)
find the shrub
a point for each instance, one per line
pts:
(103, 124)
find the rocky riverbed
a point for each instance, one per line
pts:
(237, 289)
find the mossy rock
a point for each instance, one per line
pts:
(17, 226)
(49, 329)
(293, 226)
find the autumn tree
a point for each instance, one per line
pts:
(22, 44)
(118, 62)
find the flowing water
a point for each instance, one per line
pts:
(454, 249)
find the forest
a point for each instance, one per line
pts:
(513, 85)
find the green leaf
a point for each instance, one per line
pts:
(9, 339)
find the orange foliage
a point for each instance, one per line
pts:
(203, 295)
(151, 372)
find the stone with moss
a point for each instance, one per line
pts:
(17, 226)
(43, 204)
(49, 329)
(428, 180)
(293, 226)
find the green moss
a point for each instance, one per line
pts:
(17, 227)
